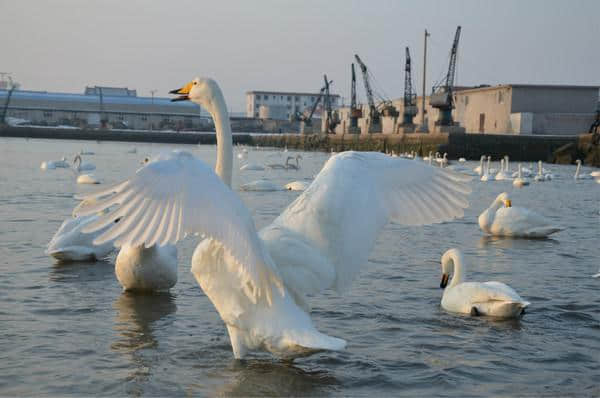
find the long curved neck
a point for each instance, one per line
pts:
(224, 164)
(578, 169)
(458, 276)
(520, 174)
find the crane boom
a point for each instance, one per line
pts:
(442, 94)
(410, 109)
(373, 113)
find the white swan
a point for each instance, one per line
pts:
(597, 275)
(79, 165)
(486, 170)
(479, 169)
(501, 219)
(501, 175)
(540, 176)
(54, 164)
(519, 181)
(258, 284)
(69, 243)
(87, 179)
(140, 268)
(462, 160)
(261, 186)
(476, 298)
(578, 175)
(296, 185)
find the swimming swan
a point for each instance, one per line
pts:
(501, 219)
(578, 175)
(476, 298)
(79, 165)
(296, 185)
(258, 281)
(519, 181)
(54, 164)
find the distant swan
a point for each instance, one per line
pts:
(55, 164)
(80, 165)
(87, 179)
(519, 181)
(501, 219)
(261, 185)
(476, 298)
(297, 185)
(578, 175)
(259, 281)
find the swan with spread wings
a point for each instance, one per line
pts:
(258, 280)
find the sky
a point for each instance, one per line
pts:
(287, 45)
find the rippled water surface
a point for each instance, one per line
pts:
(69, 330)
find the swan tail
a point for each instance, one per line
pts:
(596, 276)
(501, 309)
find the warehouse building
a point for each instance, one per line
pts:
(110, 107)
(278, 105)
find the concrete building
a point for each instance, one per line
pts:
(108, 106)
(515, 109)
(281, 105)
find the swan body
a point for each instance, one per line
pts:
(54, 164)
(258, 281)
(479, 169)
(501, 175)
(462, 160)
(87, 179)
(146, 269)
(260, 185)
(519, 181)
(80, 165)
(297, 185)
(252, 166)
(488, 298)
(70, 243)
(501, 219)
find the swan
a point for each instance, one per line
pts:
(519, 181)
(501, 219)
(87, 179)
(540, 177)
(479, 169)
(507, 165)
(140, 268)
(261, 185)
(297, 185)
(258, 281)
(291, 166)
(476, 298)
(462, 160)
(486, 171)
(252, 166)
(597, 275)
(54, 164)
(70, 243)
(578, 175)
(501, 175)
(79, 165)
(595, 174)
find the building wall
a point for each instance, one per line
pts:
(291, 101)
(485, 110)
(554, 99)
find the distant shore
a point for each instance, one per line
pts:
(552, 149)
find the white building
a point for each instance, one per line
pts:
(281, 105)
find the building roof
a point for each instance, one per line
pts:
(510, 85)
(294, 93)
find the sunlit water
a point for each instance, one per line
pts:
(69, 330)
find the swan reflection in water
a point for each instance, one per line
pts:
(86, 274)
(267, 377)
(136, 324)
(505, 242)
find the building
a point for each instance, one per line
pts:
(517, 109)
(104, 106)
(282, 105)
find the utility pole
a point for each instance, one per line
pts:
(152, 112)
(423, 125)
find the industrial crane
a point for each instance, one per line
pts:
(410, 106)
(442, 94)
(373, 113)
(355, 113)
(307, 119)
(332, 120)
(12, 88)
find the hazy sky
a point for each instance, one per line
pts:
(64, 45)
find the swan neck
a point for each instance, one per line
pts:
(578, 169)
(220, 115)
(458, 276)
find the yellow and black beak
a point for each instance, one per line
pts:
(444, 281)
(184, 91)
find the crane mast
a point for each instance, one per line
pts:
(373, 113)
(442, 94)
(410, 108)
(331, 121)
(355, 113)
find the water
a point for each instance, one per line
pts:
(68, 330)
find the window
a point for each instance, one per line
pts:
(266, 97)
(144, 117)
(289, 98)
(312, 99)
(297, 98)
(48, 114)
(282, 97)
(256, 114)
(500, 97)
(466, 100)
(257, 105)
(120, 116)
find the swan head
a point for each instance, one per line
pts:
(203, 91)
(450, 259)
(503, 198)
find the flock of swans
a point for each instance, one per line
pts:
(259, 280)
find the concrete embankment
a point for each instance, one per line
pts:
(470, 146)
(120, 135)
(553, 149)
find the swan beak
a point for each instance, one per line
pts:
(444, 281)
(507, 203)
(185, 90)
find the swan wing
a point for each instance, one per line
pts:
(177, 194)
(342, 212)
(468, 293)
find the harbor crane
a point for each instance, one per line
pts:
(332, 119)
(442, 94)
(410, 103)
(355, 112)
(12, 86)
(307, 118)
(385, 108)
